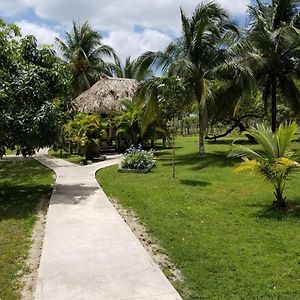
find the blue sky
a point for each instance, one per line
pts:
(130, 26)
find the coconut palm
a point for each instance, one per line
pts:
(128, 124)
(129, 70)
(163, 98)
(195, 56)
(85, 53)
(273, 47)
(276, 160)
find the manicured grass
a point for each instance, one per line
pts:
(75, 159)
(22, 184)
(218, 227)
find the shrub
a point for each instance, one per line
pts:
(138, 159)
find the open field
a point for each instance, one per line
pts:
(218, 227)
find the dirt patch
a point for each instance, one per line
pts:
(150, 244)
(29, 279)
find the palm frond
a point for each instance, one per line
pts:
(248, 164)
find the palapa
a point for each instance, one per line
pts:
(106, 95)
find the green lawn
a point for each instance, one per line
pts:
(218, 227)
(22, 183)
(75, 159)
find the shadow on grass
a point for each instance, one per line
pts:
(20, 202)
(194, 182)
(196, 163)
(271, 211)
(229, 142)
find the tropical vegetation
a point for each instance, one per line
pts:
(217, 79)
(85, 53)
(277, 159)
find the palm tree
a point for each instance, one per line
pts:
(129, 70)
(195, 56)
(273, 47)
(128, 124)
(85, 53)
(275, 161)
(163, 98)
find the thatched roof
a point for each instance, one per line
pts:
(106, 95)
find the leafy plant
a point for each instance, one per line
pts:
(85, 52)
(86, 130)
(275, 162)
(138, 159)
(34, 92)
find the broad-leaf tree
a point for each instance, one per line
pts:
(34, 86)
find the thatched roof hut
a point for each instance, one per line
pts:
(106, 95)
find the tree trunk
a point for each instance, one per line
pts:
(199, 91)
(202, 129)
(274, 105)
(280, 200)
(152, 143)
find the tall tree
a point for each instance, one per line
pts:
(272, 50)
(197, 54)
(34, 86)
(85, 54)
(130, 69)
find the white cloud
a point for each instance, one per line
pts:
(162, 15)
(43, 34)
(160, 18)
(130, 43)
(11, 7)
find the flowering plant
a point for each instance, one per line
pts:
(138, 159)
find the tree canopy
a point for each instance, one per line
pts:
(34, 87)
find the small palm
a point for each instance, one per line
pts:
(276, 159)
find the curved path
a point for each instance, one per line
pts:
(89, 252)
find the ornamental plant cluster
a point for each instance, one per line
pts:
(138, 159)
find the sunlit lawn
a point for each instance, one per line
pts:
(22, 184)
(218, 227)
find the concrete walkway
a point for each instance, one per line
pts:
(89, 252)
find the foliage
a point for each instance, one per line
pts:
(128, 124)
(196, 55)
(130, 69)
(138, 159)
(34, 92)
(271, 50)
(86, 130)
(215, 225)
(85, 53)
(164, 97)
(276, 161)
(25, 183)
